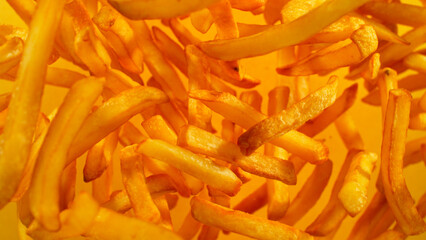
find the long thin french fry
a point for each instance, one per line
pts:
(395, 12)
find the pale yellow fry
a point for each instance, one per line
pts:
(25, 103)
(158, 8)
(288, 119)
(52, 159)
(202, 168)
(24, 8)
(283, 35)
(112, 114)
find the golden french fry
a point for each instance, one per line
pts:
(136, 187)
(25, 103)
(416, 62)
(348, 132)
(353, 194)
(129, 135)
(309, 193)
(67, 185)
(95, 162)
(248, 5)
(203, 142)
(158, 128)
(173, 116)
(254, 201)
(102, 186)
(288, 119)
(330, 114)
(244, 115)
(189, 227)
(396, 12)
(193, 164)
(10, 54)
(295, 9)
(393, 147)
(24, 8)
(111, 115)
(282, 35)
(224, 20)
(272, 12)
(386, 82)
(159, 8)
(4, 101)
(202, 20)
(242, 223)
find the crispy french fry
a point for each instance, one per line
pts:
(309, 193)
(249, 5)
(158, 128)
(224, 20)
(136, 187)
(252, 98)
(396, 12)
(156, 9)
(111, 115)
(195, 165)
(393, 147)
(242, 223)
(245, 116)
(353, 194)
(347, 130)
(330, 114)
(288, 119)
(281, 35)
(26, 99)
(203, 142)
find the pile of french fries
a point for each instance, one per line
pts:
(163, 129)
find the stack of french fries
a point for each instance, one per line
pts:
(195, 127)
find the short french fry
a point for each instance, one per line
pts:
(393, 147)
(242, 223)
(112, 114)
(244, 115)
(348, 131)
(224, 20)
(288, 119)
(309, 193)
(353, 194)
(203, 142)
(25, 103)
(195, 165)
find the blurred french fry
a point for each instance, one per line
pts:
(203, 142)
(24, 8)
(418, 121)
(353, 193)
(202, 20)
(156, 9)
(111, 115)
(295, 9)
(309, 194)
(242, 223)
(334, 213)
(246, 29)
(68, 185)
(224, 20)
(348, 131)
(249, 5)
(254, 201)
(158, 128)
(52, 159)
(4, 100)
(95, 162)
(393, 147)
(200, 167)
(330, 114)
(74, 221)
(372, 71)
(244, 115)
(395, 12)
(10, 54)
(391, 235)
(25, 103)
(272, 12)
(386, 82)
(109, 225)
(288, 119)
(163, 207)
(102, 186)
(189, 227)
(136, 187)
(281, 35)
(415, 61)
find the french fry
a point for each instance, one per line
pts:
(158, 128)
(202, 20)
(353, 194)
(415, 61)
(162, 205)
(330, 114)
(26, 99)
(309, 194)
(252, 98)
(10, 54)
(288, 119)
(74, 221)
(173, 116)
(102, 186)
(391, 235)
(203, 142)
(136, 187)
(189, 227)
(137, 10)
(347, 130)
(129, 135)
(370, 74)
(24, 8)
(272, 39)
(224, 20)
(254, 201)
(245, 116)
(242, 223)
(396, 13)
(111, 225)
(195, 165)
(249, 5)
(112, 114)
(95, 162)
(418, 121)
(386, 82)
(52, 159)
(67, 185)
(295, 9)
(4, 101)
(393, 147)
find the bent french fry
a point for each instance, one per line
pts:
(353, 194)
(309, 194)
(157, 9)
(112, 114)
(280, 36)
(244, 115)
(242, 223)
(25, 103)
(195, 165)
(396, 12)
(393, 147)
(288, 119)
(203, 142)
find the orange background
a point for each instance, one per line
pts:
(367, 118)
